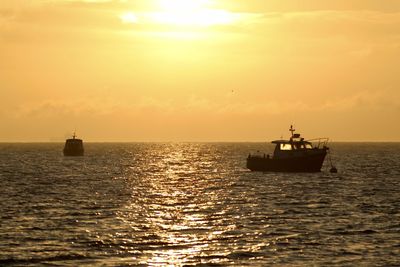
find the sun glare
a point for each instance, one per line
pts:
(191, 13)
(182, 13)
(183, 5)
(129, 17)
(193, 18)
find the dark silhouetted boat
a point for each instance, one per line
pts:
(73, 147)
(293, 155)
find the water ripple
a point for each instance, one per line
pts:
(195, 204)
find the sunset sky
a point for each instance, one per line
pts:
(199, 70)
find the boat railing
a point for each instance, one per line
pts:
(321, 142)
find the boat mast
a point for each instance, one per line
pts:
(292, 130)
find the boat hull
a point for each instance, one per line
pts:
(73, 148)
(73, 152)
(305, 163)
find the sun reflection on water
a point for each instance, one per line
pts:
(174, 211)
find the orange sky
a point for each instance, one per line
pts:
(200, 70)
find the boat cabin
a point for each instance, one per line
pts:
(296, 145)
(285, 147)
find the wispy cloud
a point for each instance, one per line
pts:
(377, 100)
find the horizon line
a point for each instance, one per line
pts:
(175, 141)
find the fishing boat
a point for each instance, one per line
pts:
(293, 155)
(73, 147)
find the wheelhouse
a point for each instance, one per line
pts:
(284, 145)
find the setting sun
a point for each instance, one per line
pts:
(180, 13)
(129, 17)
(191, 13)
(183, 5)
(200, 18)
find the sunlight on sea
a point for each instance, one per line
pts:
(195, 203)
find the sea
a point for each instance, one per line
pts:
(196, 204)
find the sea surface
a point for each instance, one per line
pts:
(176, 204)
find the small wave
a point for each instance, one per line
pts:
(357, 232)
(244, 255)
(64, 257)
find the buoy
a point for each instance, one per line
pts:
(333, 169)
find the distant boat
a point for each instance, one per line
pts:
(73, 147)
(293, 155)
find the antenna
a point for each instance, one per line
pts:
(292, 130)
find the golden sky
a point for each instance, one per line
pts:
(199, 70)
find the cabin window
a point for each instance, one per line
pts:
(286, 147)
(298, 146)
(308, 146)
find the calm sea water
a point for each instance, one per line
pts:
(196, 204)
